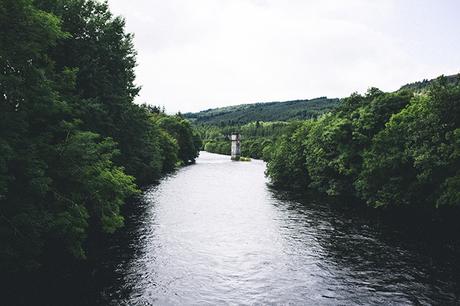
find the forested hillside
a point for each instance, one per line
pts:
(73, 145)
(269, 111)
(425, 84)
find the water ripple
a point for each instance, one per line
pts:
(214, 233)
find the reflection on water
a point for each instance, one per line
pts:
(214, 233)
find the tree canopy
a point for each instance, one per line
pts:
(396, 149)
(73, 145)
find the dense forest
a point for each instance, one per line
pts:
(73, 145)
(268, 111)
(392, 150)
(424, 84)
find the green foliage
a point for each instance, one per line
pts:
(220, 147)
(286, 166)
(270, 111)
(182, 132)
(390, 149)
(86, 186)
(415, 159)
(336, 141)
(169, 151)
(73, 144)
(425, 84)
(258, 137)
(27, 100)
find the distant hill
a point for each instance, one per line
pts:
(421, 85)
(269, 111)
(284, 111)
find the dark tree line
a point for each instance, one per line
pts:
(73, 145)
(391, 150)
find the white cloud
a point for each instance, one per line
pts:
(195, 55)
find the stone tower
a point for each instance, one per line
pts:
(236, 146)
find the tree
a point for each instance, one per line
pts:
(30, 113)
(71, 138)
(181, 130)
(286, 166)
(415, 159)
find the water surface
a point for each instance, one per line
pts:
(215, 233)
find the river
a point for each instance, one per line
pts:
(216, 233)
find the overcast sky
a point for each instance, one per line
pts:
(194, 55)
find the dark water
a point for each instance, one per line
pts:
(215, 233)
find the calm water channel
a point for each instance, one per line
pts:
(215, 233)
